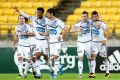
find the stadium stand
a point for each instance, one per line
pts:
(8, 16)
(108, 10)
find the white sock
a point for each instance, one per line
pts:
(38, 67)
(20, 67)
(89, 65)
(93, 66)
(33, 66)
(107, 66)
(80, 67)
(50, 65)
(27, 65)
(56, 66)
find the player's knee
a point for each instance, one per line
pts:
(28, 60)
(19, 57)
(37, 55)
(34, 58)
(46, 57)
(80, 55)
(56, 57)
(80, 58)
(52, 58)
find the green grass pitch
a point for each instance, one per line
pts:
(99, 76)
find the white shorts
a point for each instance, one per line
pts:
(55, 48)
(41, 46)
(84, 48)
(98, 48)
(24, 51)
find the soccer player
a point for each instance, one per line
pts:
(55, 39)
(84, 39)
(23, 47)
(100, 34)
(40, 29)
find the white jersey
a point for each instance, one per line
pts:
(84, 31)
(98, 28)
(31, 38)
(40, 25)
(55, 29)
(23, 39)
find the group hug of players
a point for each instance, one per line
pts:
(45, 36)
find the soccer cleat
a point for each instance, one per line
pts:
(53, 76)
(92, 75)
(34, 73)
(24, 76)
(38, 76)
(107, 75)
(61, 70)
(19, 76)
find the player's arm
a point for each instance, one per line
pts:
(65, 30)
(21, 13)
(106, 34)
(73, 30)
(28, 34)
(46, 33)
(15, 41)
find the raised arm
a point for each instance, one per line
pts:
(21, 12)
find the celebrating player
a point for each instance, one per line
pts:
(40, 28)
(84, 39)
(100, 34)
(23, 47)
(55, 39)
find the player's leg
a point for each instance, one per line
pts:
(103, 53)
(27, 60)
(20, 60)
(46, 55)
(37, 65)
(80, 50)
(55, 51)
(33, 59)
(95, 49)
(37, 54)
(88, 54)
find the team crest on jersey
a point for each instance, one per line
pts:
(96, 24)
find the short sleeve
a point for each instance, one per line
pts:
(104, 26)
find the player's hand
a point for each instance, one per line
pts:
(23, 33)
(41, 33)
(60, 37)
(14, 48)
(16, 9)
(80, 29)
(104, 42)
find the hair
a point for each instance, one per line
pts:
(50, 10)
(94, 13)
(26, 19)
(40, 9)
(85, 12)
